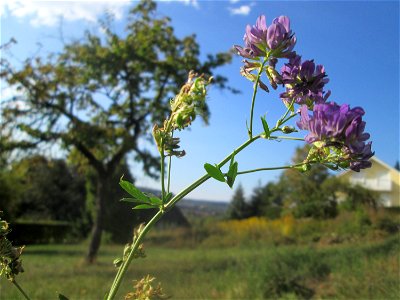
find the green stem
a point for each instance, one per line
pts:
(162, 166)
(286, 138)
(205, 177)
(282, 120)
(122, 270)
(126, 263)
(169, 168)
(272, 168)
(20, 289)
(253, 99)
(169, 173)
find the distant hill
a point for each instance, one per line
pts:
(196, 208)
(203, 208)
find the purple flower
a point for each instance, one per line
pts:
(339, 127)
(304, 82)
(260, 39)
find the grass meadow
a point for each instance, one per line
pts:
(249, 259)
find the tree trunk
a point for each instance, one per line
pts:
(97, 229)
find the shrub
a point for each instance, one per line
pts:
(44, 232)
(289, 273)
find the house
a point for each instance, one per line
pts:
(381, 178)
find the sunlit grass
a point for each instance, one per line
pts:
(368, 270)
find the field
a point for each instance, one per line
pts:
(356, 269)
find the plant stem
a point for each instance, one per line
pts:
(272, 168)
(253, 99)
(122, 270)
(169, 168)
(202, 179)
(162, 166)
(169, 173)
(20, 289)
(282, 120)
(126, 263)
(286, 138)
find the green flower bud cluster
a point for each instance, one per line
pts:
(139, 253)
(189, 103)
(10, 263)
(144, 290)
(329, 155)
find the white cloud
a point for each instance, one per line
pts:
(243, 10)
(194, 3)
(48, 13)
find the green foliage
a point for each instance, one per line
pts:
(101, 94)
(144, 201)
(267, 201)
(214, 172)
(266, 127)
(10, 191)
(390, 225)
(238, 208)
(288, 271)
(232, 172)
(362, 270)
(47, 190)
(42, 232)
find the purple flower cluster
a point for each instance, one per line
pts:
(304, 82)
(277, 39)
(339, 127)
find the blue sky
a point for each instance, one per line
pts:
(357, 42)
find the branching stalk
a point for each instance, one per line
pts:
(20, 289)
(162, 167)
(122, 270)
(273, 168)
(253, 99)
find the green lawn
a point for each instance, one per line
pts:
(368, 270)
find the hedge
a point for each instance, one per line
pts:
(39, 232)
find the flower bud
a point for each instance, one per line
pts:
(288, 129)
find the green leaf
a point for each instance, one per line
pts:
(144, 206)
(168, 197)
(62, 297)
(117, 262)
(266, 127)
(131, 190)
(134, 200)
(155, 200)
(232, 173)
(214, 172)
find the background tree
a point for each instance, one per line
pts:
(101, 95)
(238, 208)
(49, 190)
(267, 201)
(303, 192)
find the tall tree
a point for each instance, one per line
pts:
(101, 95)
(49, 189)
(303, 191)
(267, 200)
(238, 208)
